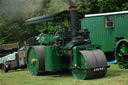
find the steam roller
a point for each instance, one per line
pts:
(121, 53)
(65, 49)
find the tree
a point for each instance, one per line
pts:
(101, 6)
(12, 27)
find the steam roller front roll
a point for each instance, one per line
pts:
(90, 64)
(35, 60)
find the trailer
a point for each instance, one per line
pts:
(105, 29)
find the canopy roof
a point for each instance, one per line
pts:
(56, 16)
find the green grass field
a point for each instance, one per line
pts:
(114, 76)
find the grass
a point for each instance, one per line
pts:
(114, 76)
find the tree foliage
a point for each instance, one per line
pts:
(102, 6)
(13, 30)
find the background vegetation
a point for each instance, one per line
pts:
(13, 14)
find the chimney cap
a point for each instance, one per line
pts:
(72, 7)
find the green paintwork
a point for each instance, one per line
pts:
(53, 59)
(78, 61)
(105, 36)
(33, 68)
(126, 36)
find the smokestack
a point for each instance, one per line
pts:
(74, 24)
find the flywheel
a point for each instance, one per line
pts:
(121, 53)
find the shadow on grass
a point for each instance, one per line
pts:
(17, 70)
(109, 74)
(57, 74)
(13, 71)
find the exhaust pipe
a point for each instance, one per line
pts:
(74, 24)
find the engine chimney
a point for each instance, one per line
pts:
(74, 23)
(79, 36)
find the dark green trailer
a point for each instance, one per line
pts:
(106, 27)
